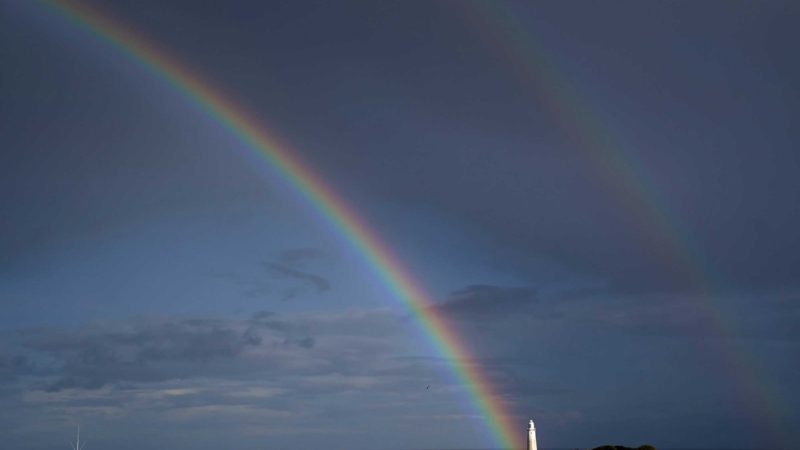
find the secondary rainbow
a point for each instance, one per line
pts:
(617, 166)
(329, 204)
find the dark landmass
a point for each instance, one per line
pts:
(622, 447)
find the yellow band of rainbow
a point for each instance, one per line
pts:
(335, 209)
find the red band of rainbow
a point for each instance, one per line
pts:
(324, 199)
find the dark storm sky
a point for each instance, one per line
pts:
(162, 287)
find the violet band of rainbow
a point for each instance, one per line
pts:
(327, 202)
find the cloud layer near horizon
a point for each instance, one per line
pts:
(270, 375)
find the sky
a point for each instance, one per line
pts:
(600, 198)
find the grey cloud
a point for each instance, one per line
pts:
(768, 316)
(519, 386)
(147, 351)
(543, 347)
(288, 267)
(306, 342)
(12, 365)
(298, 255)
(262, 315)
(151, 351)
(319, 283)
(251, 288)
(268, 372)
(484, 300)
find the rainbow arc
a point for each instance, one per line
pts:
(325, 200)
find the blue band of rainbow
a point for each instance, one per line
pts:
(340, 215)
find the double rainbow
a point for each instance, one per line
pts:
(329, 204)
(615, 166)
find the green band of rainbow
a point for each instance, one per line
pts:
(325, 200)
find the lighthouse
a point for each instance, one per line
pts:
(531, 436)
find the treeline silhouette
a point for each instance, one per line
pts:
(622, 447)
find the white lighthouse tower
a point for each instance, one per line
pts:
(531, 436)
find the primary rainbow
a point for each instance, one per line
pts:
(330, 205)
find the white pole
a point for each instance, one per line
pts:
(77, 445)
